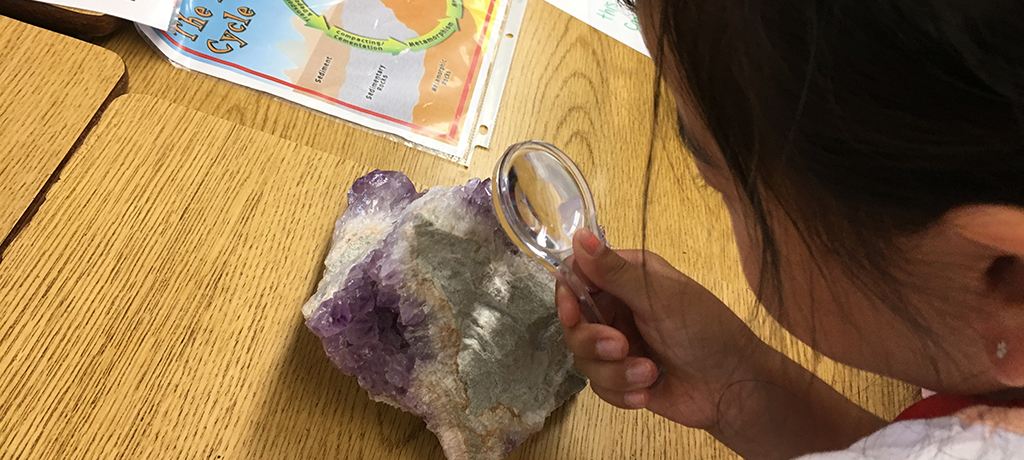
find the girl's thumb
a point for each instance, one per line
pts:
(607, 270)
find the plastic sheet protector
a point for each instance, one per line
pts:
(416, 69)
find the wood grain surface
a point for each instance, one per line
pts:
(66, 20)
(52, 88)
(182, 273)
(151, 309)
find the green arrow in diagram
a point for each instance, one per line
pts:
(389, 45)
(454, 9)
(394, 46)
(300, 9)
(444, 29)
(317, 22)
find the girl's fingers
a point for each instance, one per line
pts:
(596, 342)
(607, 269)
(630, 374)
(571, 263)
(607, 305)
(568, 307)
(611, 308)
(624, 400)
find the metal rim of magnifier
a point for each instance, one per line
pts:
(505, 207)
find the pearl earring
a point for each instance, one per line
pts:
(1001, 349)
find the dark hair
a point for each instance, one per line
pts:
(867, 119)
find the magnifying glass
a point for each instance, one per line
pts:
(541, 199)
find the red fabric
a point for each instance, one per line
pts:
(945, 405)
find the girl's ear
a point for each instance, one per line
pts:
(1001, 229)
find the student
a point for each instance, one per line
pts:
(871, 156)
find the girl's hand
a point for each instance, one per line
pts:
(715, 374)
(671, 347)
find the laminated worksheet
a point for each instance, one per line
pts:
(415, 69)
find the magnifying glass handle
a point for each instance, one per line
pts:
(587, 305)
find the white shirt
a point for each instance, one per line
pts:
(945, 438)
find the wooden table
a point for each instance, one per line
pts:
(160, 266)
(72, 21)
(41, 121)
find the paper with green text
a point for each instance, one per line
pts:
(608, 16)
(153, 13)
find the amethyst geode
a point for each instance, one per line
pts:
(430, 306)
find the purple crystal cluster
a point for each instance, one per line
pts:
(361, 324)
(429, 305)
